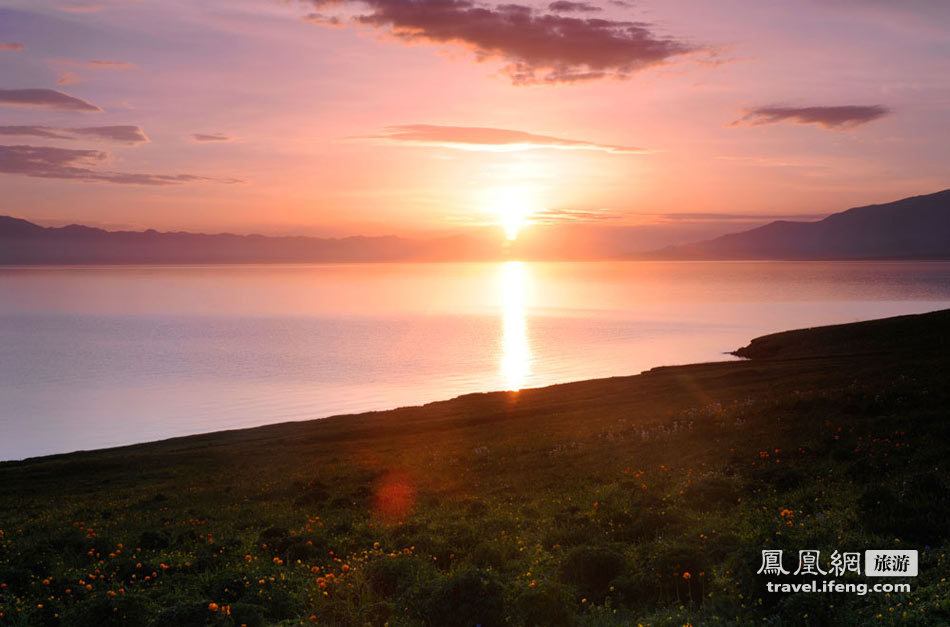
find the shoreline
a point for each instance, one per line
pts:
(584, 503)
(779, 345)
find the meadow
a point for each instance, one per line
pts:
(631, 500)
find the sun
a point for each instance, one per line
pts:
(514, 209)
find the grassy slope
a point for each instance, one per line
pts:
(635, 499)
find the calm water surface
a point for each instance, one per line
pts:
(101, 356)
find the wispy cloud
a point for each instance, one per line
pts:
(566, 216)
(837, 117)
(324, 20)
(122, 134)
(537, 47)
(96, 64)
(15, 47)
(83, 8)
(490, 139)
(212, 137)
(68, 78)
(81, 165)
(564, 6)
(45, 99)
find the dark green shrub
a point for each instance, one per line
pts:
(314, 493)
(710, 493)
(926, 501)
(153, 540)
(880, 511)
(104, 611)
(280, 604)
(464, 599)
(680, 570)
(643, 524)
(390, 576)
(780, 476)
(544, 605)
(493, 555)
(247, 614)
(635, 590)
(226, 588)
(591, 569)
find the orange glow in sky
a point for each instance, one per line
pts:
(378, 117)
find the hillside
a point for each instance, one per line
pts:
(632, 500)
(912, 228)
(22, 242)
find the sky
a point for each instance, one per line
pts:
(671, 119)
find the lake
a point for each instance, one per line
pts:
(92, 357)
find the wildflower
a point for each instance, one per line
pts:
(213, 607)
(687, 576)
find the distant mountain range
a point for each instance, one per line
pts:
(22, 242)
(912, 228)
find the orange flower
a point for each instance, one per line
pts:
(213, 607)
(687, 576)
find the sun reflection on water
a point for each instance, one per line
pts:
(515, 351)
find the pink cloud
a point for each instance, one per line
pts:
(536, 47)
(68, 78)
(45, 99)
(212, 137)
(483, 138)
(836, 117)
(81, 165)
(121, 134)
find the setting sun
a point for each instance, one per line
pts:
(513, 208)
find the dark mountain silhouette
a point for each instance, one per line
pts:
(912, 228)
(22, 242)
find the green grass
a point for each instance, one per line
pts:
(620, 501)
